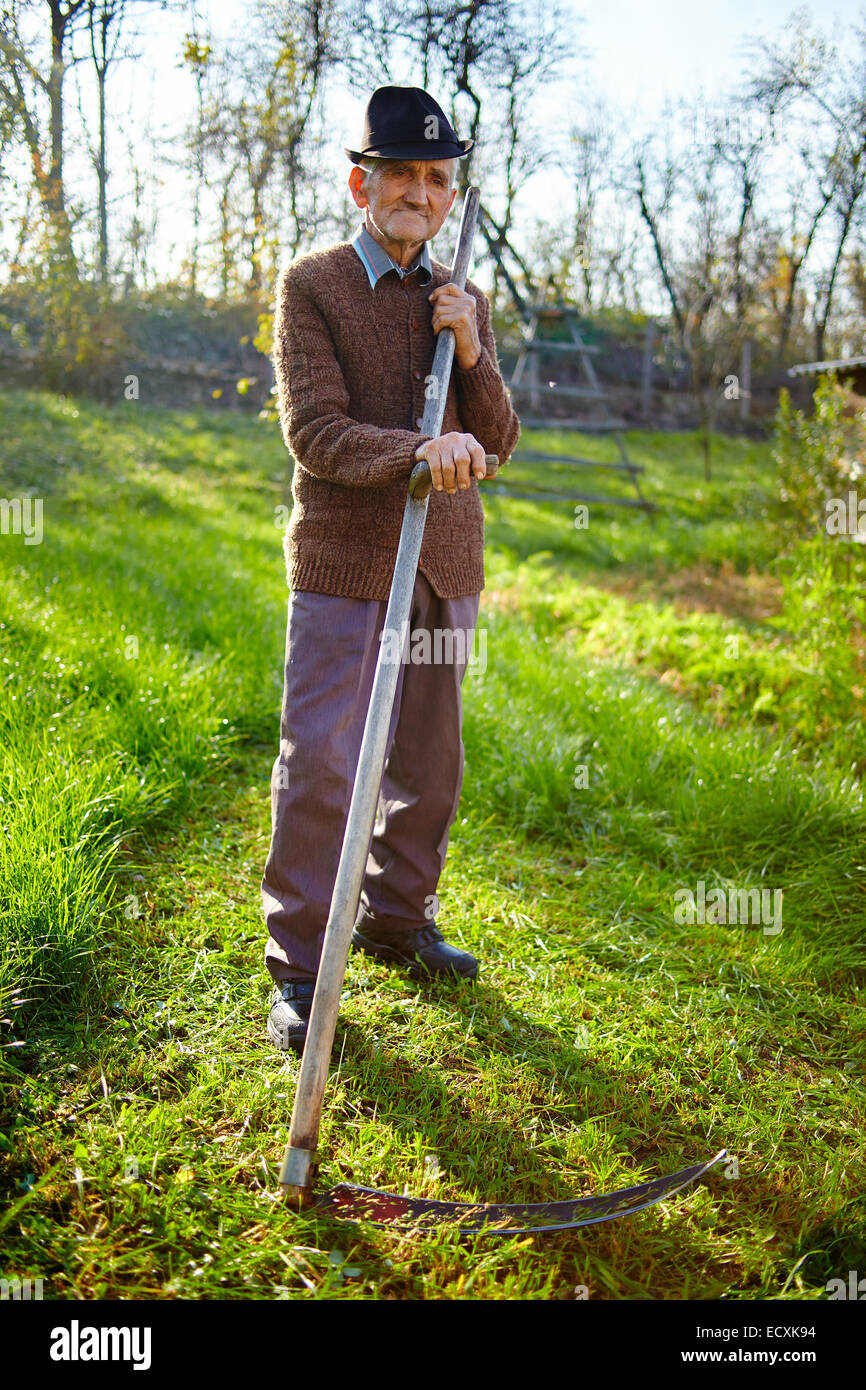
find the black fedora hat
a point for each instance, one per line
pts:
(406, 123)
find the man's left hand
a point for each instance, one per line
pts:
(453, 308)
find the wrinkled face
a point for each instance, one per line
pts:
(408, 199)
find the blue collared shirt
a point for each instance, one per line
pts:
(376, 261)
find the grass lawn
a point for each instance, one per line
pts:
(659, 704)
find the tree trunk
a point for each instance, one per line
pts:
(657, 248)
(797, 264)
(703, 410)
(54, 190)
(102, 183)
(54, 199)
(821, 325)
(101, 66)
(226, 259)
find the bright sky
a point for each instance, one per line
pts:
(645, 50)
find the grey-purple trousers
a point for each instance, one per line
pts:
(332, 644)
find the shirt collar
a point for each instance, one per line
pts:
(376, 261)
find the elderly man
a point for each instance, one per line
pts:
(355, 335)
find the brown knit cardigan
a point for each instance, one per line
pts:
(350, 364)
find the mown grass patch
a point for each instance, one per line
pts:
(606, 1041)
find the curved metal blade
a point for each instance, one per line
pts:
(352, 1203)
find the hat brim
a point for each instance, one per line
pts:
(423, 149)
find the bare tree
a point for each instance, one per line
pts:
(816, 190)
(711, 271)
(23, 81)
(486, 62)
(253, 130)
(654, 187)
(198, 55)
(106, 21)
(227, 232)
(599, 248)
(742, 149)
(520, 153)
(846, 206)
(857, 286)
(805, 70)
(276, 75)
(103, 25)
(139, 232)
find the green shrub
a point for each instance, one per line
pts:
(67, 328)
(818, 455)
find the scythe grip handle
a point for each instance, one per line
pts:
(420, 481)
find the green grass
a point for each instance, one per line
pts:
(620, 747)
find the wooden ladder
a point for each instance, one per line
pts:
(525, 381)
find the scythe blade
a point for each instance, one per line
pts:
(351, 1203)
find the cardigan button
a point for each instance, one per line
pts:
(417, 375)
(419, 422)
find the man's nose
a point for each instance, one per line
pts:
(416, 193)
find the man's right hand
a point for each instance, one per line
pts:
(453, 458)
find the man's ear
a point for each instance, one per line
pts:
(356, 186)
(451, 199)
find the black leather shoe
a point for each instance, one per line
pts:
(291, 1002)
(423, 950)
